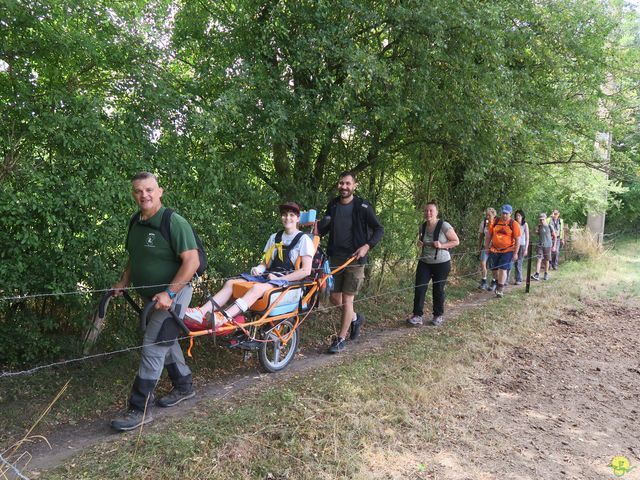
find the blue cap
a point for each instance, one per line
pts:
(507, 208)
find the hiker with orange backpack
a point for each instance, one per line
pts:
(504, 242)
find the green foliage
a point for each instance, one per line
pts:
(240, 105)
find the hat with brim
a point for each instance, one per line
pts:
(289, 207)
(507, 209)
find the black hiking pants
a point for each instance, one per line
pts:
(437, 273)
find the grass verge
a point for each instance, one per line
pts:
(367, 417)
(97, 388)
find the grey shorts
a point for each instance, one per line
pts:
(544, 253)
(348, 280)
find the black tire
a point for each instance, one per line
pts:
(274, 356)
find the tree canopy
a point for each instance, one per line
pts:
(237, 105)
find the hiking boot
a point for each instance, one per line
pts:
(131, 419)
(483, 284)
(546, 276)
(175, 397)
(499, 291)
(536, 277)
(338, 345)
(415, 320)
(493, 286)
(437, 321)
(354, 328)
(518, 282)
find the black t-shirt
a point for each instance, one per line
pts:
(343, 231)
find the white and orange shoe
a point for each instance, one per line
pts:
(219, 318)
(195, 319)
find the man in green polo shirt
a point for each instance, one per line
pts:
(160, 271)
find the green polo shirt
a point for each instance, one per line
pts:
(153, 260)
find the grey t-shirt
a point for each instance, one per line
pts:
(428, 252)
(544, 236)
(342, 231)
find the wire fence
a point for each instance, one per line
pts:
(83, 291)
(6, 374)
(13, 468)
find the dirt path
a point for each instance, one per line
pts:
(561, 407)
(71, 440)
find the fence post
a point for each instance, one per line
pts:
(528, 284)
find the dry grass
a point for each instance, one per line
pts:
(584, 244)
(373, 417)
(15, 453)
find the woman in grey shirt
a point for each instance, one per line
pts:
(435, 239)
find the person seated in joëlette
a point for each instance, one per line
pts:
(276, 269)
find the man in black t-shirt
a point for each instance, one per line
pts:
(353, 230)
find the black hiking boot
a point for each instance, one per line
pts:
(131, 419)
(338, 345)
(175, 397)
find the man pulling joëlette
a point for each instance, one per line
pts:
(161, 270)
(353, 229)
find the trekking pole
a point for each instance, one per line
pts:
(529, 269)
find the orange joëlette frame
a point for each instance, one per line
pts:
(314, 285)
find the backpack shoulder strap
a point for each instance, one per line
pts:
(134, 218)
(165, 225)
(423, 228)
(436, 232)
(436, 235)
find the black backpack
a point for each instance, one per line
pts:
(165, 231)
(284, 265)
(436, 233)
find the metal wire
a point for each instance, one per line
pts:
(138, 347)
(131, 288)
(12, 467)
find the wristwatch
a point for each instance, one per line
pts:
(171, 294)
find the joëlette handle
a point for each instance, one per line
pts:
(151, 306)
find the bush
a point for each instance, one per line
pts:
(583, 243)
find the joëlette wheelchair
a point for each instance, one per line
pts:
(270, 326)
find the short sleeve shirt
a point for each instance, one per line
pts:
(304, 247)
(343, 231)
(503, 235)
(428, 252)
(154, 262)
(545, 236)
